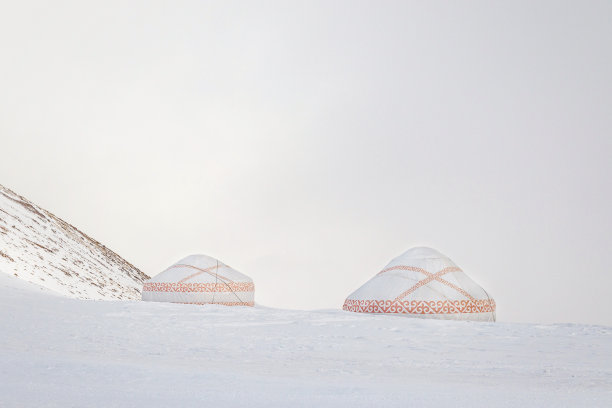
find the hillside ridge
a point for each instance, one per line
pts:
(39, 247)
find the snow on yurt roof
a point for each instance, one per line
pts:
(199, 268)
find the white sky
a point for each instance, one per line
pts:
(308, 143)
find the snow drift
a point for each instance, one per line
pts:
(153, 354)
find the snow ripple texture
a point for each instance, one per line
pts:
(60, 352)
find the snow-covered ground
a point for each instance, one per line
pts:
(61, 352)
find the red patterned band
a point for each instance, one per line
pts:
(420, 306)
(220, 303)
(199, 287)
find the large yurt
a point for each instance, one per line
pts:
(424, 283)
(200, 279)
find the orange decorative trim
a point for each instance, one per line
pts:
(198, 287)
(420, 306)
(430, 277)
(403, 268)
(219, 303)
(201, 271)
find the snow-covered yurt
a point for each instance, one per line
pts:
(200, 279)
(422, 282)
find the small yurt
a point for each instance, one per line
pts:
(422, 282)
(200, 279)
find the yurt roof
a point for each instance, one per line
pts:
(199, 267)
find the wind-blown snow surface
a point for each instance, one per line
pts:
(37, 246)
(60, 352)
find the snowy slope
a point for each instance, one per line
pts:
(127, 354)
(38, 247)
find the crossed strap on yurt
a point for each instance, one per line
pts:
(429, 278)
(201, 271)
(226, 281)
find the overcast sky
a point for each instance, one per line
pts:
(306, 144)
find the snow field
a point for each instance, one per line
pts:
(61, 352)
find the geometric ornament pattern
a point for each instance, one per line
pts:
(221, 303)
(420, 306)
(199, 287)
